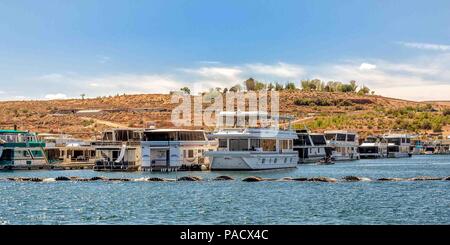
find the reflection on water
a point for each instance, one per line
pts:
(237, 202)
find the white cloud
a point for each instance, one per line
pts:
(281, 70)
(58, 96)
(367, 66)
(426, 46)
(422, 78)
(131, 84)
(216, 73)
(425, 78)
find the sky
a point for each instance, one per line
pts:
(62, 49)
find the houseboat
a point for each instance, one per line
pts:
(21, 150)
(55, 144)
(174, 149)
(311, 147)
(373, 147)
(417, 147)
(118, 150)
(253, 148)
(398, 145)
(64, 151)
(344, 145)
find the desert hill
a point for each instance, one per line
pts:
(367, 114)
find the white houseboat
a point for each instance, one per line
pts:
(344, 145)
(174, 149)
(311, 147)
(398, 145)
(253, 148)
(373, 147)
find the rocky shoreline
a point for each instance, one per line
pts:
(226, 178)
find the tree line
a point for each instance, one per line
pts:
(306, 85)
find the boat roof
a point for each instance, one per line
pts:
(339, 132)
(173, 130)
(12, 131)
(254, 113)
(254, 133)
(397, 136)
(123, 129)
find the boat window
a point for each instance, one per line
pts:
(223, 143)
(124, 135)
(284, 144)
(107, 136)
(191, 136)
(371, 140)
(393, 148)
(190, 153)
(408, 140)
(330, 136)
(351, 137)
(7, 155)
(238, 144)
(395, 141)
(25, 153)
(302, 140)
(368, 149)
(269, 145)
(340, 137)
(255, 143)
(137, 136)
(318, 139)
(156, 136)
(37, 153)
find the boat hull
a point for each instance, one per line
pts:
(398, 154)
(247, 161)
(345, 157)
(371, 155)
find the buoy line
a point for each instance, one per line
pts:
(224, 178)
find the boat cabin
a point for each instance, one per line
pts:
(172, 149)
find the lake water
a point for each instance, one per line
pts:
(237, 202)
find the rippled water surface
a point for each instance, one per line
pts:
(237, 202)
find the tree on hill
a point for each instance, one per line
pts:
(353, 85)
(290, 86)
(260, 86)
(278, 87)
(236, 88)
(364, 90)
(186, 90)
(346, 88)
(250, 84)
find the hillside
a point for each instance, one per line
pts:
(319, 111)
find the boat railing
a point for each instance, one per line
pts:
(115, 143)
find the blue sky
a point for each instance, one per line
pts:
(60, 49)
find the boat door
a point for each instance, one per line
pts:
(168, 157)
